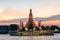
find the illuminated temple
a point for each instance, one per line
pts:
(30, 29)
(30, 25)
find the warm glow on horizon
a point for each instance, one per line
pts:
(51, 22)
(48, 23)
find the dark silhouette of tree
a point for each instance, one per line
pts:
(43, 28)
(53, 27)
(47, 28)
(14, 27)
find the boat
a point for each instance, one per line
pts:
(31, 33)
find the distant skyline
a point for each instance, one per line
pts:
(12, 9)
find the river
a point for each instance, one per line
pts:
(7, 37)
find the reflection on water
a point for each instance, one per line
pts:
(7, 37)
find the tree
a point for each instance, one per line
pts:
(47, 28)
(53, 27)
(43, 28)
(14, 27)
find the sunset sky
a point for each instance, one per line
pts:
(12, 9)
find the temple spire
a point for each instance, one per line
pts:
(39, 24)
(30, 24)
(21, 23)
(30, 12)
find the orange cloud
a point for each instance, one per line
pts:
(51, 22)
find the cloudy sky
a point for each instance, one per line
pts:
(11, 9)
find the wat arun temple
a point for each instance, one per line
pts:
(30, 25)
(30, 29)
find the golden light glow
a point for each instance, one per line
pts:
(34, 28)
(26, 28)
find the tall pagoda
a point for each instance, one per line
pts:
(30, 25)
